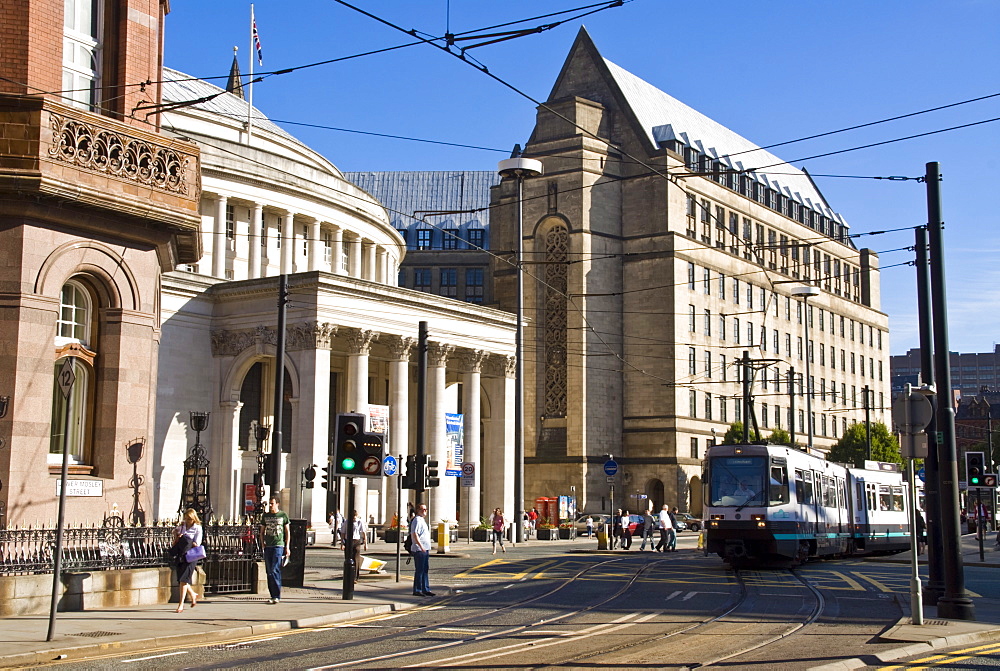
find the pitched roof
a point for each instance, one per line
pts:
(431, 190)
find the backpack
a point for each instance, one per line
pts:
(408, 544)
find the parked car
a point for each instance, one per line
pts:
(689, 521)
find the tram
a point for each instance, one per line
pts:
(777, 503)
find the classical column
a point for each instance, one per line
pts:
(369, 263)
(441, 499)
(353, 242)
(309, 343)
(287, 243)
(315, 245)
(498, 455)
(337, 250)
(256, 226)
(219, 238)
(471, 363)
(225, 461)
(359, 344)
(381, 256)
(399, 412)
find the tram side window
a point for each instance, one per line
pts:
(779, 485)
(830, 492)
(807, 488)
(897, 499)
(872, 497)
(841, 493)
(800, 488)
(884, 498)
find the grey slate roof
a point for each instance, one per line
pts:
(407, 192)
(179, 87)
(665, 118)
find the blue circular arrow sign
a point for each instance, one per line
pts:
(610, 467)
(920, 474)
(389, 465)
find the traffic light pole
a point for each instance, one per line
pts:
(274, 465)
(399, 517)
(350, 570)
(418, 492)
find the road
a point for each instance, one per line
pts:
(539, 607)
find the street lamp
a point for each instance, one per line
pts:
(519, 168)
(194, 489)
(805, 292)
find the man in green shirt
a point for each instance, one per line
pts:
(276, 533)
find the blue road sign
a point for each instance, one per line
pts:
(389, 465)
(920, 474)
(610, 467)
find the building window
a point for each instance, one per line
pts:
(692, 361)
(474, 285)
(327, 248)
(708, 322)
(692, 403)
(708, 365)
(449, 238)
(723, 409)
(230, 222)
(449, 282)
(722, 326)
(81, 59)
(691, 321)
(722, 366)
(707, 281)
(708, 406)
(423, 238)
(475, 237)
(280, 225)
(691, 276)
(75, 336)
(694, 449)
(422, 279)
(763, 415)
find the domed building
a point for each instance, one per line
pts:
(270, 206)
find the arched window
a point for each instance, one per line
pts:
(76, 336)
(554, 297)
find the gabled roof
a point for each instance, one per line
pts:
(663, 118)
(432, 190)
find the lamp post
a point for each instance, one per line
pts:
(260, 434)
(194, 491)
(519, 168)
(805, 292)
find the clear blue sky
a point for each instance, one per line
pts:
(771, 71)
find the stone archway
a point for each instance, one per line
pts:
(655, 494)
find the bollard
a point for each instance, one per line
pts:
(701, 540)
(444, 536)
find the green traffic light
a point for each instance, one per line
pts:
(347, 464)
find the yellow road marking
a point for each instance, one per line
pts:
(531, 569)
(873, 581)
(947, 658)
(849, 580)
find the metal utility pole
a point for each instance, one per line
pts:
(66, 379)
(932, 498)
(791, 405)
(274, 466)
(868, 422)
(955, 603)
(418, 493)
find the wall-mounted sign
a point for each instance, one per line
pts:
(81, 487)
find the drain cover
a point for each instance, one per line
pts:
(97, 634)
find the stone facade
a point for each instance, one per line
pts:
(665, 260)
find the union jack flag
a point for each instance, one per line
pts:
(256, 43)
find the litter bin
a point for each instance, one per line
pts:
(293, 573)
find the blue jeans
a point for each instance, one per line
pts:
(671, 539)
(421, 569)
(272, 567)
(647, 535)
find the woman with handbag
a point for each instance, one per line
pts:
(187, 551)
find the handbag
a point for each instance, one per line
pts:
(408, 544)
(196, 553)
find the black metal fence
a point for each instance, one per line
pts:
(232, 549)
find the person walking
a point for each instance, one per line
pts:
(590, 526)
(359, 540)
(498, 523)
(187, 535)
(626, 532)
(276, 531)
(336, 521)
(672, 545)
(616, 529)
(648, 524)
(420, 535)
(666, 528)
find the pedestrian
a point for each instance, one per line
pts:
(616, 529)
(673, 531)
(666, 529)
(648, 524)
(356, 531)
(187, 535)
(409, 511)
(336, 521)
(497, 522)
(533, 520)
(626, 532)
(590, 526)
(420, 535)
(276, 531)
(921, 530)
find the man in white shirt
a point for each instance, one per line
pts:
(420, 536)
(666, 529)
(356, 531)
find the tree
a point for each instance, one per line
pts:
(734, 435)
(852, 446)
(780, 437)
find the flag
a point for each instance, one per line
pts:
(256, 40)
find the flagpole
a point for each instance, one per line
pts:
(250, 101)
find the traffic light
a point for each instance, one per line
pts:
(309, 473)
(426, 473)
(356, 454)
(410, 474)
(431, 478)
(974, 468)
(325, 478)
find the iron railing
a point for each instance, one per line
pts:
(232, 549)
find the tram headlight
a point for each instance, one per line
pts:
(761, 520)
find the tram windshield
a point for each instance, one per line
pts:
(736, 481)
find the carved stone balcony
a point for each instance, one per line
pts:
(59, 155)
